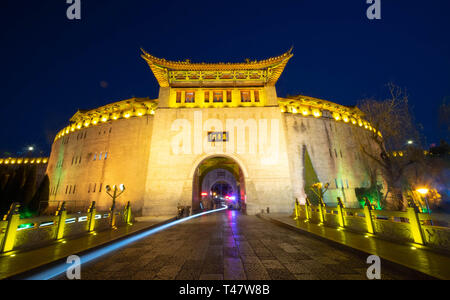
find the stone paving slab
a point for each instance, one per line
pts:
(231, 246)
(420, 259)
(14, 263)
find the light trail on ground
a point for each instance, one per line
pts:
(59, 269)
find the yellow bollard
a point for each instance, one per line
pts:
(91, 217)
(368, 216)
(13, 218)
(297, 207)
(321, 211)
(414, 222)
(62, 214)
(307, 205)
(340, 209)
(128, 213)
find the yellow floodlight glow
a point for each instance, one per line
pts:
(423, 191)
(353, 121)
(87, 123)
(346, 119)
(127, 115)
(152, 112)
(317, 113)
(336, 116)
(294, 110)
(305, 111)
(360, 123)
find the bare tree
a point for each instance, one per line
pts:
(393, 127)
(444, 116)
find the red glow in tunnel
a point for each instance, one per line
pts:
(204, 194)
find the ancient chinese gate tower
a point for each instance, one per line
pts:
(212, 125)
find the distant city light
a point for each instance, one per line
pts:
(30, 148)
(410, 142)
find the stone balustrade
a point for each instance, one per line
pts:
(17, 233)
(408, 226)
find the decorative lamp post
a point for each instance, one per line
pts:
(116, 192)
(424, 192)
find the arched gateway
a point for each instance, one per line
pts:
(218, 180)
(215, 128)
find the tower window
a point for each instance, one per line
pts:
(245, 96)
(207, 97)
(256, 96)
(218, 96)
(178, 97)
(190, 97)
(229, 99)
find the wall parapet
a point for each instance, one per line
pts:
(126, 109)
(23, 160)
(318, 108)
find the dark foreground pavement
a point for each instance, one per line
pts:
(231, 246)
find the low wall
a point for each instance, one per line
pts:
(399, 226)
(16, 233)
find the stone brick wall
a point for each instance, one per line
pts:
(76, 176)
(335, 153)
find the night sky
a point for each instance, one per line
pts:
(52, 66)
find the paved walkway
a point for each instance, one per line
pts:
(14, 263)
(231, 246)
(423, 260)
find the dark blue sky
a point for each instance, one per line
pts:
(52, 66)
